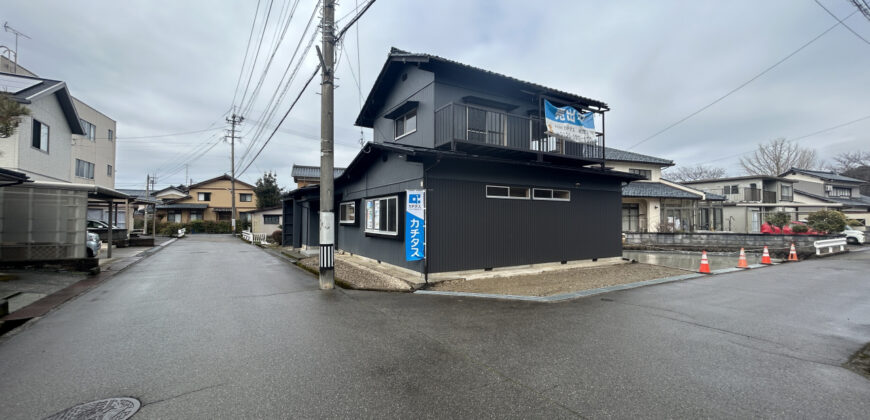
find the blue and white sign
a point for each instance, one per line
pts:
(568, 123)
(415, 225)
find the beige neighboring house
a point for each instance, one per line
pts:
(657, 204)
(829, 190)
(210, 200)
(169, 194)
(266, 220)
(89, 153)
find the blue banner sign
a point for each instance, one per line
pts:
(568, 123)
(415, 225)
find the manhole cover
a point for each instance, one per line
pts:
(108, 409)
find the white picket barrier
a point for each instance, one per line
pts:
(829, 245)
(259, 238)
(182, 232)
(246, 235)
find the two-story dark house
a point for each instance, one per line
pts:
(500, 190)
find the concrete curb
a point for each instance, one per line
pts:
(584, 293)
(41, 307)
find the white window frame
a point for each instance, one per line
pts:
(509, 190)
(87, 171)
(341, 211)
(90, 129)
(378, 230)
(552, 194)
(404, 119)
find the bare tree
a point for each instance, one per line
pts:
(694, 173)
(778, 156)
(849, 160)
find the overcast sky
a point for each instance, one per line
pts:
(163, 67)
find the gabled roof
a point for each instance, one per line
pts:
(826, 175)
(741, 178)
(303, 171)
(859, 201)
(611, 154)
(26, 89)
(218, 178)
(180, 191)
(397, 58)
(656, 190)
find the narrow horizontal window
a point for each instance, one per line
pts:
(551, 194)
(500, 191)
(271, 219)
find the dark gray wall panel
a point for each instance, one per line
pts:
(417, 87)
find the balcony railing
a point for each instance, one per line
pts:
(751, 195)
(458, 123)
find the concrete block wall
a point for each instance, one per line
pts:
(715, 241)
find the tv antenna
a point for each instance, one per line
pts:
(17, 34)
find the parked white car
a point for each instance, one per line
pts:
(854, 236)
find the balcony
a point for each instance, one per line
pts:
(751, 195)
(473, 129)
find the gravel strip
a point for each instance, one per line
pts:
(357, 278)
(561, 281)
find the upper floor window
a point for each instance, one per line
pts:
(246, 198)
(840, 192)
(785, 193)
(84, 169)
(406, 124)
(111, 135)
(109, 170)
(203, 196)
(40, 136)
(90, 130)
(646, 173)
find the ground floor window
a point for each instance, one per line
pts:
(174, 216)
(630, 217)
(271, 219)
(347, 213)
(382, 215)
(224, 216)
(195, 215)
(710, 218)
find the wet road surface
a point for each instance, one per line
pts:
(211, 327)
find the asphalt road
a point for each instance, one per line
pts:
(211, 327)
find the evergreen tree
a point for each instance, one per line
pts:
(10, 111)
(267, 191)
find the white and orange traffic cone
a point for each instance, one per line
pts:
(741, 262)
(792, 255)
(765, 257)
(705, 265)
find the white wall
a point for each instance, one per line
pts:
(100, 152)
(54, 165)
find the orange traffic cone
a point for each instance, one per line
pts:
(765, 257)
(705, 265)
(792, 255)
(741, 263)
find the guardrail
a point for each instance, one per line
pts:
(829, 245)
(254, 237)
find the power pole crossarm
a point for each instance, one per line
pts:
(327, 162)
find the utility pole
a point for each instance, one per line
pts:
(17, 34)
(234, 121)
(185, 175)
(154, 222)
(327, 217)
(147, 195)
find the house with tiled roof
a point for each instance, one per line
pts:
(829, 189)
(210, 200)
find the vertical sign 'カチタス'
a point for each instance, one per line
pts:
(415, 225)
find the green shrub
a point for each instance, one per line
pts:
(828, 221)
(799, 228)
(778, 219)
(854, 223)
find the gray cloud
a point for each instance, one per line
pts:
(165, 66)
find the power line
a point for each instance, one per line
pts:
(741, 86)
(182, 133)
(801, 137)
(257, 53)
(313, 75)
(843, 23)
(247, 49)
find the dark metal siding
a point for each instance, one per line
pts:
(289, 222)
(469, 231)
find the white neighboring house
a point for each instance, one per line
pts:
(830, 191)
(266, 220)
(81, 151)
